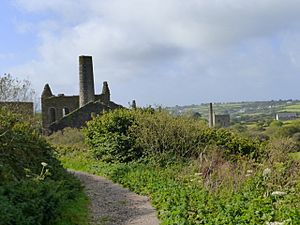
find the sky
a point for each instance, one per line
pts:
(162, 53)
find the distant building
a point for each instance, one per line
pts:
(286, 116)
(217, 120)
(221, 120)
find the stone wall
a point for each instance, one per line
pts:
(102, 98)
(221, 120)
(55, 107)
(25, 108)
(79, 117)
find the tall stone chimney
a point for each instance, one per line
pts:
(210, 115)
(86, 80)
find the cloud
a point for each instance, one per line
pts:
(195, 46)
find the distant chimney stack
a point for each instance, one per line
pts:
(210, 115)
(86, 80)
(133, 105)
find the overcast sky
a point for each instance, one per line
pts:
(163, 52)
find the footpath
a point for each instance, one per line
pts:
(111, 204)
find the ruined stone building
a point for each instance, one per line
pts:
(63, 111)
(215, 120)
(286, 116)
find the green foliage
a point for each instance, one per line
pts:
(276, 123)
(279, 129)
(226, 185)
(124, 135)
(74, 212)
(232, 143)
(181, 197)
(108, 136)
(213, 189)
(34, 187)
(161, 134)
(22, 149)
(35, 202)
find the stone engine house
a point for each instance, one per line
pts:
(63, 111)
(217, 121)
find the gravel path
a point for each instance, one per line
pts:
(112, 204)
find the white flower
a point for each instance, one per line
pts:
(44, 164)
(267, 172)
(275, 223)
(278, 193)
(198, 174)
(249, 171)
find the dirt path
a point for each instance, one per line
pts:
(112, 204)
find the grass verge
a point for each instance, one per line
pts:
(177, 193)
(74, 212)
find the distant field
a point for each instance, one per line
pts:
(243, 111)
(291, 108)
(291, 122)
(251, 125)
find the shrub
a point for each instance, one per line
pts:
(22, 149)
(34, 187)
(161, 134)
(108, 136)
(124, 135)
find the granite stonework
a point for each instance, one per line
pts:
(59, 112)
(215, 120)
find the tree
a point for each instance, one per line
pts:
(13, 89)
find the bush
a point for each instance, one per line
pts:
(124, 135)
(108, 136)
(34, 187)
(34, 202)
(161, 134)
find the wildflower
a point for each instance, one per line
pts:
(198, 174)
(44, 164)
(249, 171)
(275, 223)
(278, 193)
(267, 172)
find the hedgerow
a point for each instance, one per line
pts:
(34, 187)
(124, 135)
